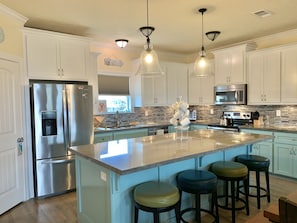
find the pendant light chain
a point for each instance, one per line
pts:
(147, 13)
(202, 32)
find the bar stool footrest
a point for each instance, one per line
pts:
(230, 208)
(265, 194)
(194, 209)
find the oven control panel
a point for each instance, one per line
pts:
(238, 115)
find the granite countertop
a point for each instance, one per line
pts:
(279, 128)
(131, 126)
(131, 155)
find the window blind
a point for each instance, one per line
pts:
(113, 85)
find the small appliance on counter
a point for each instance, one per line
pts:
(193, 115)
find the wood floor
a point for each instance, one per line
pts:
(62, 208)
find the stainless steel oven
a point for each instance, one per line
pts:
(234, 121)
(230, 94)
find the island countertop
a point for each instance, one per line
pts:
(130, 155)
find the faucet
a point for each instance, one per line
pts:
(117, 119)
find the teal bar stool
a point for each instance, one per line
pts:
(258, 164)
(231, 173)
(199, 182)
(156, 197)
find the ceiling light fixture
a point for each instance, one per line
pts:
(121, 42)
(149, 63)
(212, 35)
(201, 65)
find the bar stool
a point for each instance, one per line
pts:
(232, 172)
(156, 197)
(199, 182)
(258, 164)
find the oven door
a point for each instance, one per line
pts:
(224, 128)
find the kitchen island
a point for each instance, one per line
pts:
(107, 172)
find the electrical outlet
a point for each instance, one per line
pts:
(103, 176)
(146, 113)
(211, 111)
(278, 113)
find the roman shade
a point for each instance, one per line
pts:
(113, 85)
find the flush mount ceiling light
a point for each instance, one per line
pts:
(212, 35)
(121, 42)
(201, 65)
(149, 63)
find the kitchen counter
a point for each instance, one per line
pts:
(129, 155)
(131, 126)
(279, 128)
(107, 172)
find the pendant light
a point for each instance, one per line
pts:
(149, 65)
(201, 65)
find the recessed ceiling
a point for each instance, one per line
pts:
(177, 23)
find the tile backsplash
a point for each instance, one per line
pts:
(288, 114)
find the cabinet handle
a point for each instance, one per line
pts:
(62, 72)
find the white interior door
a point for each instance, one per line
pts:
(11, 128)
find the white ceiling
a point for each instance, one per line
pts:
(177, 23)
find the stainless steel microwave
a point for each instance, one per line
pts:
(230, 94)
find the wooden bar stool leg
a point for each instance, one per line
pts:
(267, 185)
(136, 215)
(233, 192)
(198, 214)
(215, 202)
(246, 190)
(156, 217)
(258, 189)
(226, 192)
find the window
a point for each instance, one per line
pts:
(114, 94)
(114, 103)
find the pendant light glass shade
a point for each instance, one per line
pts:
(149, 63)
(202, 66)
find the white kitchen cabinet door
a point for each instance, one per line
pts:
(42, 56)
(289, 75)
(200, 89)
(230, 65)
(50, 56)
(150, 91)
(264, 76)
(177, 81)
(73, 59)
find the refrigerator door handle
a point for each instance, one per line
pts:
(65, 119)
(60, 161)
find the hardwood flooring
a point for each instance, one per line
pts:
(62, 208)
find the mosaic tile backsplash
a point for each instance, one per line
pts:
(164, 113)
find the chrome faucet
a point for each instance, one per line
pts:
(117, 119)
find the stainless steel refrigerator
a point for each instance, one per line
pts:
(62, 116)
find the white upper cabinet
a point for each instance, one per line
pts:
(148, 91)
(151, 91)
(230, 64)
(177, 81)
(264, 73)
(54, 56)
(200, 89)
(289, 75)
